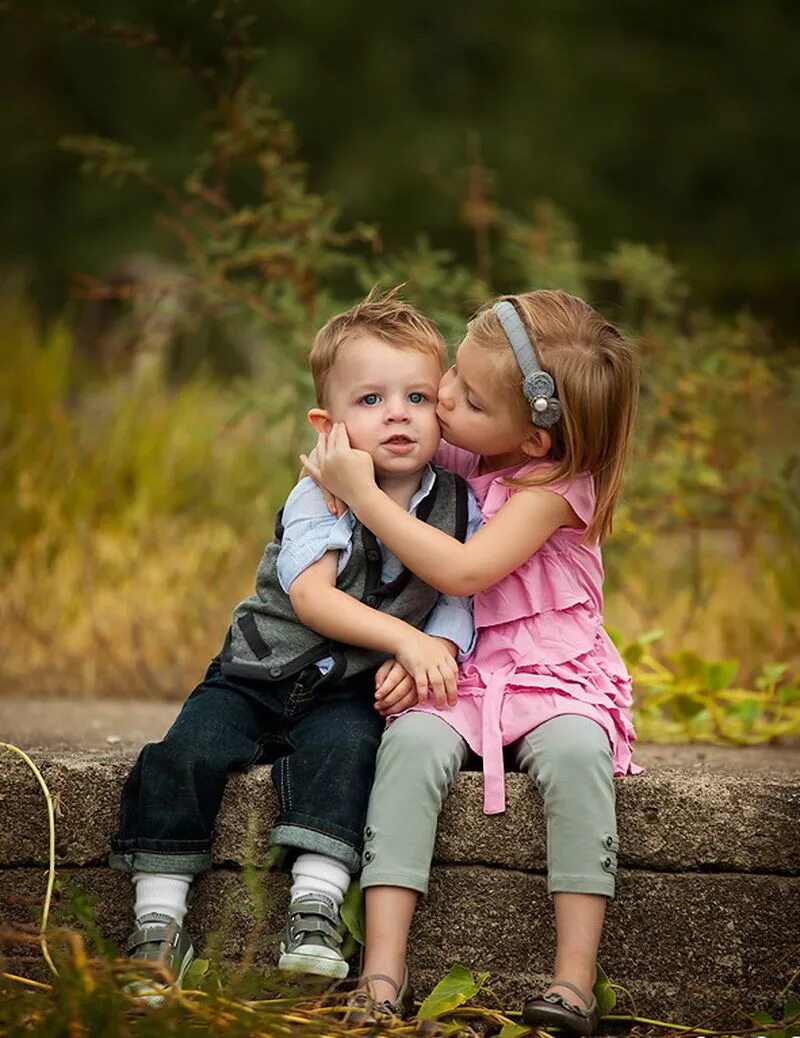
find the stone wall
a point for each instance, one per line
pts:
(706, 917)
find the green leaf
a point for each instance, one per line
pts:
(747, 711)
(683, 707)
(604, 993)
(789, 695)
(689, 664)
(513, 1031)
(352, 912)
(452, 991)
(196, 971)
(349, 947)
(770, 673)
(720, 674)
(791, 1009)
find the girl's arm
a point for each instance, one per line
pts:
(510, 537)
(320, 606)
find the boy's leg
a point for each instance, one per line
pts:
(569, 758)
(169, 804)
(323, 784)
(323, 787)
(418, 760)
(172, 795)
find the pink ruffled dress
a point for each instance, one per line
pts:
(541, 650)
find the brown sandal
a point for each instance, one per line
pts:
(554, 1010)
(363, 1010)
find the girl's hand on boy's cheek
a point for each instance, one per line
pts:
(339, 468)
(333, 504)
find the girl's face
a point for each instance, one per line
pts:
(475, 412)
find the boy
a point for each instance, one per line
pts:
(334, 621)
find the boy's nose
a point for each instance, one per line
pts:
(397, 411)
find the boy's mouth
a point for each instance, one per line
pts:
(398, 444)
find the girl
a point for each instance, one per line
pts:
(537, 414)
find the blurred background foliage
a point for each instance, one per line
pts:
(665, 123)
(157, 311)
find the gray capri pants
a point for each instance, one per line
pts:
(568, 757)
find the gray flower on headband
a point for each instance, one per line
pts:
(539, 389)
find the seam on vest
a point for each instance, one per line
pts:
(251, 634)
(394, 587)
(461, 508)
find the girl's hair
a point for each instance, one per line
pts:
(597, 383)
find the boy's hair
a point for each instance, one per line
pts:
(597, 383)
(383, 315)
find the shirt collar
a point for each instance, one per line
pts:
(425, 487)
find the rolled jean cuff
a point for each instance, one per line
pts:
(560, 884)
(152, 861)
(393, 878)
(303, 839)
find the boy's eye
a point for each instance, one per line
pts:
(417, 398)
(473, 407)
(370, 398)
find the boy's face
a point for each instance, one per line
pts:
(386, 398)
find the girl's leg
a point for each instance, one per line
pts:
(418, 760)
(569, 758)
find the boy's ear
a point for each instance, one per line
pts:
(320, 419)
(537, 443)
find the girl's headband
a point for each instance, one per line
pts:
(538, 387)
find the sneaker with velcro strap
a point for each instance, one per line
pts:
(312, 942)
(160, 941)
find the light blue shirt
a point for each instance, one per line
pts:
(309, 530)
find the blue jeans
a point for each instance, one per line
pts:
(322, 739)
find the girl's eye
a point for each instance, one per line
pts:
(473, 407)
(370, 399)
(417, 398)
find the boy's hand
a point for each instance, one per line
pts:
(430, 664)
(395, 690)
(340, 469)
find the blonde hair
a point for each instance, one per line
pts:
(597, 383)
(384, 315)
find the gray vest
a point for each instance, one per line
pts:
(266, 640)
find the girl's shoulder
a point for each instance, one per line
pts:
(578, 491)
(457, 460)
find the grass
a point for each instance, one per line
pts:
(135, 511)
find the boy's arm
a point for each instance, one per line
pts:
(507, 540)
(320, 605)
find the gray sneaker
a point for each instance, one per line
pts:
(161, 941)
(313, 943)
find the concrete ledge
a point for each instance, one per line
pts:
(669, 819)
(708, 898)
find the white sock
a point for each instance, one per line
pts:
(319, 874)
(162, 892)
